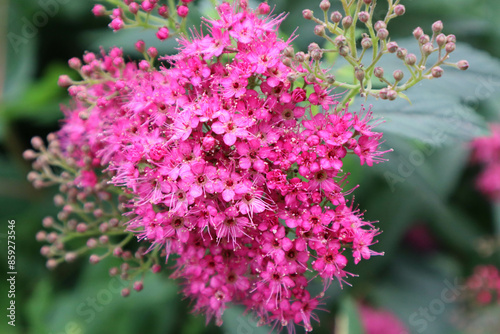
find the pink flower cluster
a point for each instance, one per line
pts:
(483, 286)
(486, 151)
(227, 167)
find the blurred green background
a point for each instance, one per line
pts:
(434, 222)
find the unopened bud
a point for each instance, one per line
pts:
(336, 17)
(81, 228)
(300, 57)
(392, 95)
(463, 65)
(451, 39)
(138, 286)
(344, 50)
(48, 222)
(367, 2)
(392, 47)
(340, 40)
(437, 26)
(450, 47)
(359, 74)
(383, 33)
(41, 236)
(437, 72)
(346, 22)
(319, 30)
(330, 79)
(366, 43)
(399, 10)
(398, 75)
(417, 32)
(410, 59)
(51, 264)
(378, 72)
(317, 54)
(401, 53)
(307, 14)
(288, 52)
(70, 257)
(94, 259)
(125, 292)
(379, 25)
(324, 5)
(91, 243)
(441, 39)
(383, 93)
(364, 16)
(424, 39)
(140, 46)
(428, 48)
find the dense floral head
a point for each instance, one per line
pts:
(229, 163)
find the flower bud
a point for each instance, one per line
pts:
(263, 8)
(152, 52)
(312, 46)
(163, 12)
(103, 239)
(41, 236)
(378, 72)
(134, 8)
(383, 93)
(398, 75)
(48, 222)
(383, 33)
(162, 33)
(441, 39)
(113, 271)
(99, 10)
(288, 52)
(340, 40)
(367, 2)
(392, 47)
(399, 10)
(94, 259)
(138, 286)
(182, 11)
(366, 43)
(330, 79)
(155, 268)
(379, 25)
(451, 39)
(64, 81)
(392, 95)
(417, 32)
(450, 47)
(75, 63)
(125, 292)
(463, 65)
(344, 50)
(51, 264)
(428, 48)
(437, 72)
(363, 16)
(411, 59)
(424, 39)
(307, 14)
(317, 54)
(91, 243)
(70, 257)
(336, 17)
(319, 30)
(81, 228)
(437, 27)
(359, 74)
(346, 22)
(300, 57)
(324, 5)
(401, 53)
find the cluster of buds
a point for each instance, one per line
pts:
(340, 30)
(146, 14)
(90, 219)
